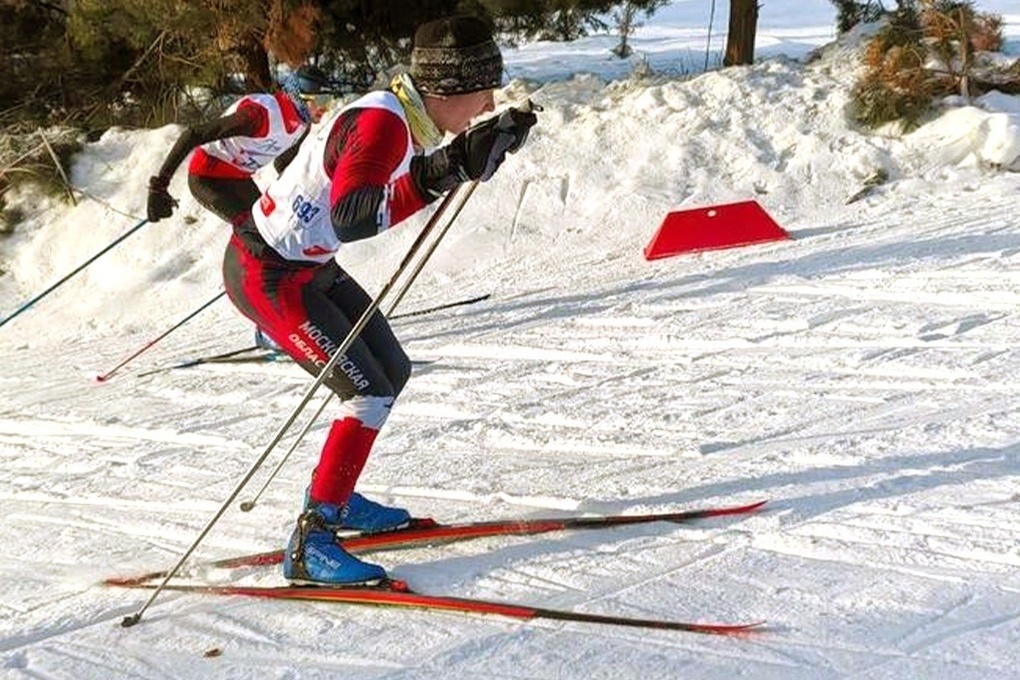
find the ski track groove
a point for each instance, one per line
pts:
(593, 595)
(933, 639)
(871, 658)
(712, 552)
(953, 558)
(61, 630)
(35, 429)
(911, 651)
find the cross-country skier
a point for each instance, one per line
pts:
(362, 172)
(258, 129)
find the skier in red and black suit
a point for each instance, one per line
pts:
(256, 130)
(364, 170)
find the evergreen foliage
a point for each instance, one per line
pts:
(925, 50)
(849, 13)
(85, 65)
(32, 58)
(626, 21)
(94, 63)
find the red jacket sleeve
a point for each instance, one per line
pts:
(364, 149)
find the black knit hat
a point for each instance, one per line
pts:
(456, 55)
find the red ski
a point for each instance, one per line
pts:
(398, 594)
(426, 532)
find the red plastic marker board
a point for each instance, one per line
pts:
(712, 228)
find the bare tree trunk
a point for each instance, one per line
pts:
(625, 25)
(743, 27)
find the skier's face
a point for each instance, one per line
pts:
(317, 105)
(453, 113)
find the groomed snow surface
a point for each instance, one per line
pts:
(862, 376)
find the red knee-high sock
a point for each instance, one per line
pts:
(342, 459)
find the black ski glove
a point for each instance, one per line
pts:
(483, 147)
(161, 204)
(474, 154)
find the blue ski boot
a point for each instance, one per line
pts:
(360, 514)
(313, 557)
(264, 341)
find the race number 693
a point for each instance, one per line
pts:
(304, 210)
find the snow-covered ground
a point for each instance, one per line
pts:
(862, 376)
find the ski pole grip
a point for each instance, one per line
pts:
(530, 107)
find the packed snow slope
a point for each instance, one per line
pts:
(862, 376)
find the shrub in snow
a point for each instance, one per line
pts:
(39, 158)
(926, 50)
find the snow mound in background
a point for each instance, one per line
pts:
(605, 164)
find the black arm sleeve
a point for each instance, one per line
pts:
(281, 162)
(357, 212)
(244, 122)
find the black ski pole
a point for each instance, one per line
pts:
(64, 280)
(109, 374)
(437, 308)
(200, 360)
